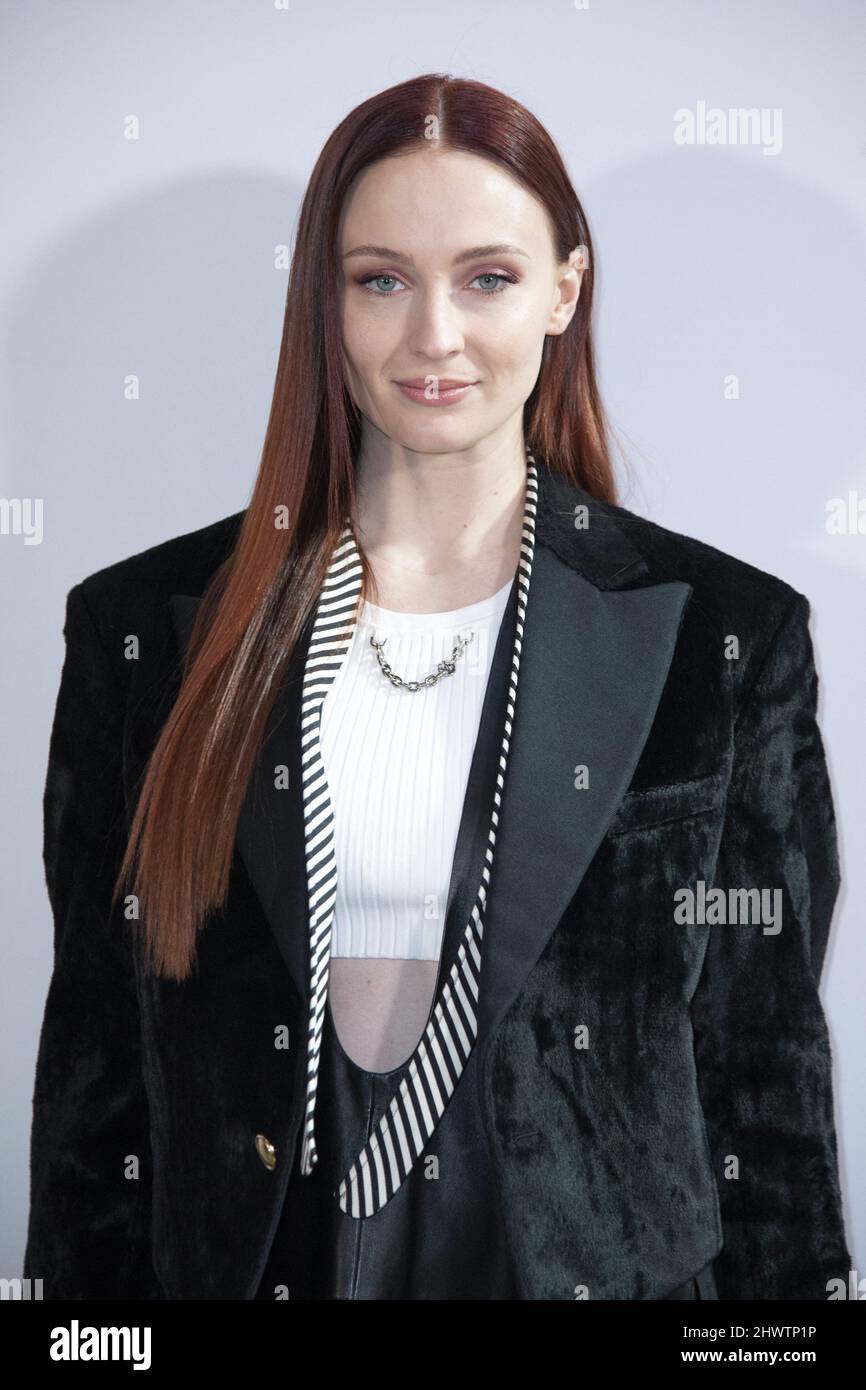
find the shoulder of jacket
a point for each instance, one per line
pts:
(182, 564)
(130, 597)
(721, 581)
(730, 597)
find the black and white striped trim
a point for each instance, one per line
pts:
(329, 643)
(442, 1053)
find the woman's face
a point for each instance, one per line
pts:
(449, 274)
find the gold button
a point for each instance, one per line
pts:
(266, 1151)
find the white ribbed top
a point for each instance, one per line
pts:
(397, 765)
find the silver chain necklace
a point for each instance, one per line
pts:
(444, 668)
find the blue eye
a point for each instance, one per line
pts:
(372, 278)
(496, 275)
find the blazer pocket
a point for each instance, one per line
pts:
(672, 801)
(522, 1139)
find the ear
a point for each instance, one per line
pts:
(568, 290)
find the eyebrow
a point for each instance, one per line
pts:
(497, 248)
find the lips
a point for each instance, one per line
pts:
(445, 382)
(446, 391)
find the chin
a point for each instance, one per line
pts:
(440, 442)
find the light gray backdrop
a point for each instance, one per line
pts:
(728, 264)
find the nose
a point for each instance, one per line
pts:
(436, 327)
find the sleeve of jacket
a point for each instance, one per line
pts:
(89, 1224)
(762, 1047)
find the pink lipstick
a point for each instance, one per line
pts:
(444, 392)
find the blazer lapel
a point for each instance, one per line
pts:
(598, 643)
(593, 667)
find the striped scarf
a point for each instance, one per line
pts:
(437, 1063)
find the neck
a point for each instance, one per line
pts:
(440, 527)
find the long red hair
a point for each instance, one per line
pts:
(179, 854)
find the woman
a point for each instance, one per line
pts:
(470, 1013)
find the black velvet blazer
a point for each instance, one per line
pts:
(655, 1093)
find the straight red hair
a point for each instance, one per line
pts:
(181, 843)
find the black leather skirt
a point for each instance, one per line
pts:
(441, 1235)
